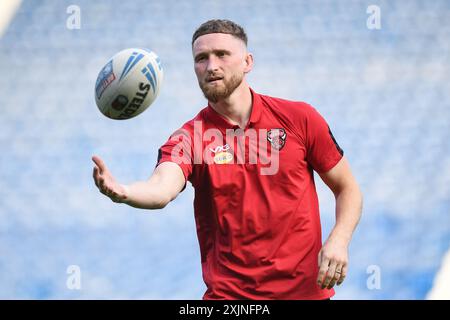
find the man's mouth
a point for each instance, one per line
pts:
(213, 79)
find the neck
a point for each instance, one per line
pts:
(237, 107)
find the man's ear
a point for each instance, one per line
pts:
(248, 62)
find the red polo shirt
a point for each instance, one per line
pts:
(259, 234)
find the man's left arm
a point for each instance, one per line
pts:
(333, 257)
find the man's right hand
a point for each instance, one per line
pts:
(106, 183)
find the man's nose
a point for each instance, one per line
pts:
(212, 64)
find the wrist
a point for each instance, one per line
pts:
(340, 236)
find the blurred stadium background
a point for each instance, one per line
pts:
(385, 94)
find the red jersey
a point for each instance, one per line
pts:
(259, 232)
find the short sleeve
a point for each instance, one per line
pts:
(322, 150)
(178, 149)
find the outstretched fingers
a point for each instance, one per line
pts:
(100, 164)
(95, 175)
(105, 182)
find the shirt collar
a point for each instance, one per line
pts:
(220, 121)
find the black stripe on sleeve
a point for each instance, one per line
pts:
(335, 142)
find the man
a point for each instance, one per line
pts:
(259, 231)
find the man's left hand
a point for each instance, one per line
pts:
(333, 262)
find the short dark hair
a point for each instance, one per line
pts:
(220, 26)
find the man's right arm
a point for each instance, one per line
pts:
(166, 182)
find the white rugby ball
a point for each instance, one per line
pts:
(129, 83)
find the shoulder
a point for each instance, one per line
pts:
(300, 116)
(297, 114)
(288, 108)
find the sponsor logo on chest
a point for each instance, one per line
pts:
(221, 154)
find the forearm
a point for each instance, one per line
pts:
(348, 213)
(145, 195)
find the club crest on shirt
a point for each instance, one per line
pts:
(277, 138)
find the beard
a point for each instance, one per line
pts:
(220, 92)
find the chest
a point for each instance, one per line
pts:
(237, 161)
